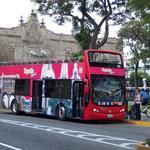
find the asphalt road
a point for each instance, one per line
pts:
(33, 132)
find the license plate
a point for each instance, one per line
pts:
(109, 116)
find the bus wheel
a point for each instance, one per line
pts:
(14, 107)
(61, 112)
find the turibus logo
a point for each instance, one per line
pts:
(29, 72)
(107, 70)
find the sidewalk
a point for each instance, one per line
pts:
(2, 110)
(143, 122)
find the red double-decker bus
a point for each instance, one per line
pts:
(93, 89)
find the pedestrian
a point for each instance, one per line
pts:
(137, 101)
(144, 97)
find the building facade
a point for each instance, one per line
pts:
(31, 41)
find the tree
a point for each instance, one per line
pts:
(141, 10)
(133, 33)
(140, 76)
(83, 36)
(136, 31)
(94, 13)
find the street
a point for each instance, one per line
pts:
(36, 132)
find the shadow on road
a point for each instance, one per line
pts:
(38, 115)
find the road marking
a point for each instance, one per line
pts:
(110, 140)
(8, 146)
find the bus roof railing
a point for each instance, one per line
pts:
(39, 61)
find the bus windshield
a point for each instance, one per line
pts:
(103, 59)
(108, 90)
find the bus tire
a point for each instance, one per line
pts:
(61, 112)
(15, 107)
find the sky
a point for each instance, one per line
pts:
(12, 10)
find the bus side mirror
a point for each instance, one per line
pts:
(86, 86)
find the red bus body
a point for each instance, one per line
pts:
(81, 79)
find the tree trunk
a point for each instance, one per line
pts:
(94, 38)
(136, 72)
(104, 39)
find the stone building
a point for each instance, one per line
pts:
(31, 40)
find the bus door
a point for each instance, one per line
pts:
(78, 88)
(37, 96)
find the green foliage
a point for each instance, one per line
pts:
(140, 76)
(83, 36)
(142, 9)
(82, 32)
(131, 37)
(134, 33)
(77, 55)
(135, 36)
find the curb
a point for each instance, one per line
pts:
(2, 110)
(140, 123)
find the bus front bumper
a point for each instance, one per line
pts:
(99, 116)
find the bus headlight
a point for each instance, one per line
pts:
(95, 110)
(122, 110)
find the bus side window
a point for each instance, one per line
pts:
(64, 90)
(22, 87)
(58, 88)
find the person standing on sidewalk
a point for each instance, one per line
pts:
(137, 101)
